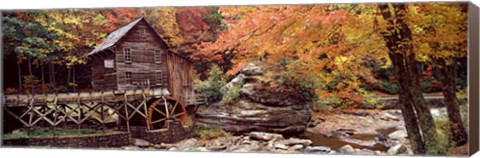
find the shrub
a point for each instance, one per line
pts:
(232, 94)
(389, 87)
(211, 87)
(209, 133)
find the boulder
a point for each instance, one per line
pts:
(237, 81)
(222, 143)
(264, 136)
(347, 149)
(252, 70)
(387, 117)
(364, 152)
(280, 146)
(297, 147)
(294, 141)
(260, 107)
(397, 149)
(315, 149)
(399, 134)
(141, 143)
(185, 144)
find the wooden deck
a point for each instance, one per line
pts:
(66, 98)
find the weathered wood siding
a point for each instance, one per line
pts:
(142, 65)
(103, 79)
(181, 76)
(177, 72)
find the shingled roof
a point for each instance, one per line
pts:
(115, 36)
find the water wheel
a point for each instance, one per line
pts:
(164, 109)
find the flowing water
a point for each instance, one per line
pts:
(337, 143)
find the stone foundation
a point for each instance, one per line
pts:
(172, 132)
(118, 139)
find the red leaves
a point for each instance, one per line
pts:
(190, 19)
(119, 17)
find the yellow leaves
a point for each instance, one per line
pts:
(339, 60)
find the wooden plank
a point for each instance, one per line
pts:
(65, 98)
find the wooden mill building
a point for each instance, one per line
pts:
(136, 57)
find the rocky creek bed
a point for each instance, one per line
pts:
(361, 132)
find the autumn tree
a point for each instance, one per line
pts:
(164, 21)
(31, 42)
(441, 39)
(328, 47)
(419, 121)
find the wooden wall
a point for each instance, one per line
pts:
(103, 79)
(143, 66)
(181, 78)
(178, 72)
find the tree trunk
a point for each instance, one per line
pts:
(398, 39)
(43, 78)
(31, 73)
(411, 125)
(69, 72)
(51, 73)
(447, 77)
(19, 77)
(73, 78)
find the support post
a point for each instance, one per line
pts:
(55, 117)
(145, 109)
(102, 112)
(80, 115)
(126, 112)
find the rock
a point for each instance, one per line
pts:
(381, 138)
(173, 149)
(297, 147)
(254, 146)
(235, 82)
(248, 142)
(260, 107)
(359, 142)
(347, 149)
(131, 148)
(332, 152)
(252, 70)
(399, 134)
(141, 143)
(388, 117)
(202, 149)
(185, 144)
(364, 152)
(280, 146)
(294, 141)
(397, 149)
(377, 152)
(264, 136)
(313, 123)
(314, 149)
(159, 146)
(221, 143)
(216, 147)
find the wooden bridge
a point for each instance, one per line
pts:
(146, 107)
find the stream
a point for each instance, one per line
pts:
(336, 143)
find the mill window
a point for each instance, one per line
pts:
(142, 32)
(159, 77)
(128, 77)
(128, 55)
(158, 56)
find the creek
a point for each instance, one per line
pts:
(336, 143)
